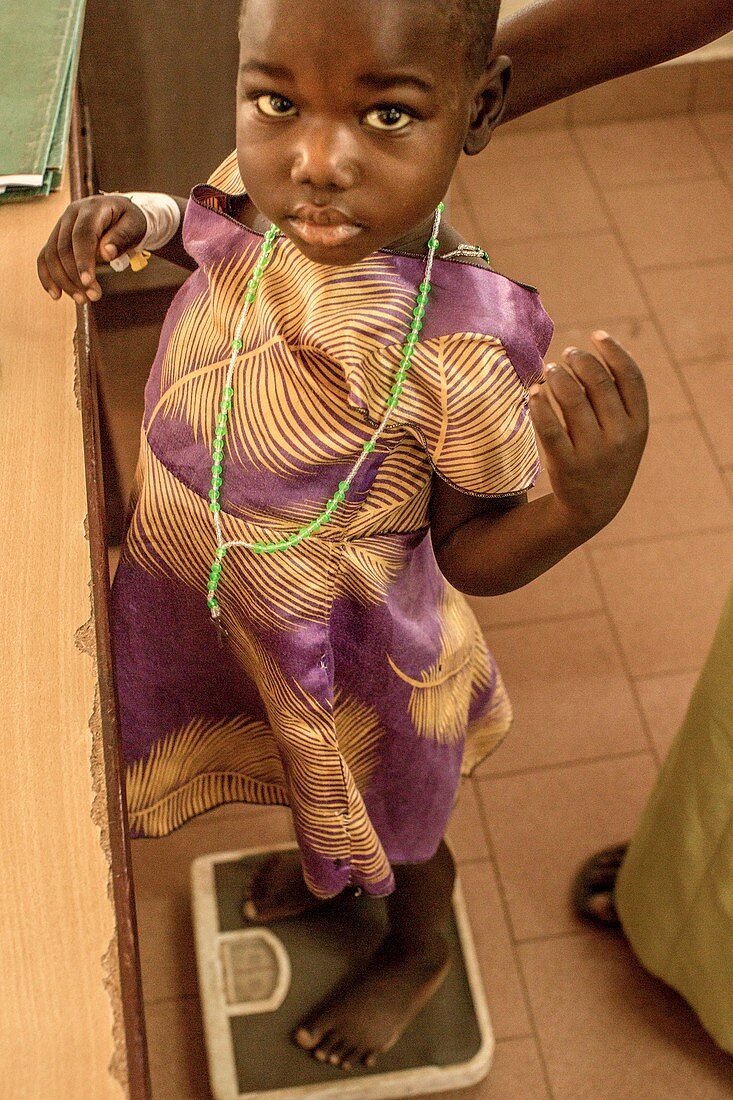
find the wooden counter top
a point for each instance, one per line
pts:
(62, 1032)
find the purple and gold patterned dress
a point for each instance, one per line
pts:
(354, 684)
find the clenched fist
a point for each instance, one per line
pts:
(98, 228)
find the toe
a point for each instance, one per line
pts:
(362, 1056)
(333, 1048)
(370, 1059)
(308, 1037)
(603, 906)
(249, 910)
(349, 1059)
(336, 1053)
(323, 1049)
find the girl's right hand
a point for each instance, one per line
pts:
(100, 227)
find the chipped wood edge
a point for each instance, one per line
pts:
(121, 961)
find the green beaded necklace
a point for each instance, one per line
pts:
(220, 432)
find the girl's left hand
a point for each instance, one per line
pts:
(592, 462)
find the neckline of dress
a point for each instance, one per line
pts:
(380, 251)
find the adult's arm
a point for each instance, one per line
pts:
(563, 46)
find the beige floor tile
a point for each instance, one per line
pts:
(693, 499)
(508, 144)
(641, 339)
(515, 200)
(176, 1049)
(579, 278)
(717, 127)
(609, 1031)
(161, 868)
(665, 597)
(258, 825)
(711, 385)
(692, 305)
(572, 700)
(465, 830)
(516, 1074)
(714, 86)
(543, 824)
(494, 949)
(675, 222)
(553, 116)
(664, 700)
(649, 150)
(566, 590)
(663, 90)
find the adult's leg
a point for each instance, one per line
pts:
(673, 886)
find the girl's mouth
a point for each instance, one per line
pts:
(326, 226)
(324, 234)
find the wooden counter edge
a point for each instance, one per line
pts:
(131, 1045)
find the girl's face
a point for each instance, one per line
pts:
(351, 115)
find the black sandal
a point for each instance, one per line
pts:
(598, 876)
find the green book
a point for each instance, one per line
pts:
(38, 62)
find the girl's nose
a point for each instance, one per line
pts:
(325, 158)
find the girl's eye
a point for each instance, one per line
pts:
(387, 118)
(275, 106)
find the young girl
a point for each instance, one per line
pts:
(336, 442)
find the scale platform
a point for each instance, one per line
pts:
(258, 983)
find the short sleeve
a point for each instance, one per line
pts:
(465, 403)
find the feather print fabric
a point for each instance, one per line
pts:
(353, 684)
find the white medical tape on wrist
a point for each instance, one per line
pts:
(162, 216)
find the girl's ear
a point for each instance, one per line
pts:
(488, 105)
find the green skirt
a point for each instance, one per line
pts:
(674, 892)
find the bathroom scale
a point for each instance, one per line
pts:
(257, 984)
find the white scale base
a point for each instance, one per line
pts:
(250, 980)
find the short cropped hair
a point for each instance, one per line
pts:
(474, 21)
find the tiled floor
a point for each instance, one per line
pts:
(625, 226)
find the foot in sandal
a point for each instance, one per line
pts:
(594, 885)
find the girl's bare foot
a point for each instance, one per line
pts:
(277, 890)
(354, 1027)
(369, 1018)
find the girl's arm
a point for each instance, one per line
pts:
(485, 547)
(100, 227)
(559, 47)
